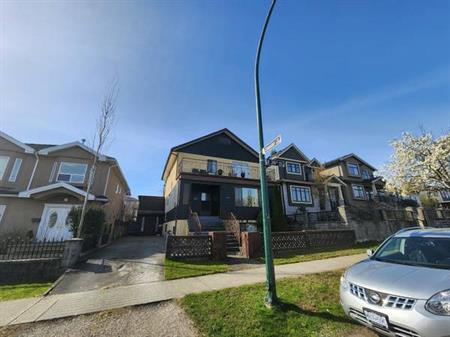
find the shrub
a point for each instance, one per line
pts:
(94, 220)
(429, 201)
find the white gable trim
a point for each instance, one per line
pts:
(47, 150)
(296, 149)
(29, 193)
(26, 148)
(333, 176)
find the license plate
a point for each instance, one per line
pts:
(376, 318)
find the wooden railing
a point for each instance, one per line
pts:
(193, 218)
(234, 226)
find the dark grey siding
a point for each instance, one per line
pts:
(221, 146)
(292, 153)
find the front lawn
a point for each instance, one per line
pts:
(16, 291)
(310, 308)
(326, 253)
(180, 269)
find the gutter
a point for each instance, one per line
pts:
(34, 170)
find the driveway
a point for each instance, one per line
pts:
(129, 260)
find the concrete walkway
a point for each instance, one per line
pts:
(64, 305)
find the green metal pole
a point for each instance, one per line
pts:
(271, 296)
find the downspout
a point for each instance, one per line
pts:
(34, 170)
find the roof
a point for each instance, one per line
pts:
(210, 135)
(281, 152)
(38, 147)
(24, 146)
(343, 158)
(71, 188)
(428, 232)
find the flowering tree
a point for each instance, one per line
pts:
(419, 163)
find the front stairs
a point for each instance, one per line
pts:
(215, 224)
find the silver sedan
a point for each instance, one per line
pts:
(403, 289)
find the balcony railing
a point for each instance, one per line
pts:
(216, 168)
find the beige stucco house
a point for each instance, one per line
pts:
(40, 183)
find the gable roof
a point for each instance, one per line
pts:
(71, 188)
(343, 158)
(283, 151)
(225, 131)
(47, 150)
(336, 178)
(25, 147)
(315, 162)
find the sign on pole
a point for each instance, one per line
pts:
(272, 144)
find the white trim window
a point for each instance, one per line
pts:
(2, 211)
(71, 172)
(118, 189)
(246, 197)
(445, 195)
(301, 194)
(52, 173)
(353, 169)
(293, 168)
(3, 165)
(359, 192)
(15, 170)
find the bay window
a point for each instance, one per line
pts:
(246, 197)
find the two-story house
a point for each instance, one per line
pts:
(357, 180)
(294, 171)
(40, 183)
(213, 176)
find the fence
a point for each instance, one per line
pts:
(193, 246)
(311, 239)
(21, 249)
(400, 214)
(324, 216)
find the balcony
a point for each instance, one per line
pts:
(218, 169)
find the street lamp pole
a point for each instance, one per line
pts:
(271, 296)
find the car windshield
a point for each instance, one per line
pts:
(417, 251)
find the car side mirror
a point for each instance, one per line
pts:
(370, 252)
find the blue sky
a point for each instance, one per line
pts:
(337, 76)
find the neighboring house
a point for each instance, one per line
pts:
(294, 171)
(444, 199)
(354, 180)
(212, 176)
(150, 215)
(40, 183)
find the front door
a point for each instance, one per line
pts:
(333, 193)
(54, 224)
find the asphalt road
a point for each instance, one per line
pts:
(129, 260)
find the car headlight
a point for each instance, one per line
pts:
(439, 304)
(344, 283)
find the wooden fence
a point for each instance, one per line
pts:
(22, 249)
(311, 239)
(184, 247)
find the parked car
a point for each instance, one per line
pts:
(403, 289)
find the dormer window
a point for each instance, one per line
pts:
(72, 173)
(366, 174)
(353, 169)
(293, 168)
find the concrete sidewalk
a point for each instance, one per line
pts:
(64, 305)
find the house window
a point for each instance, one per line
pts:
(72, 172)
(365, 174)
(3, 164)
(52, 173)
(117, 189)
(359, 192)
(293, 168)
(15, 169)
(246, 197)
(240, 169)
(301, 194)
(212, 166)
(445, 195)
(353, 169)
(2, 211)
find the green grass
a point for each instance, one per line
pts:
(13, 292)
(310, 308)
(180, 269)
(358, 248)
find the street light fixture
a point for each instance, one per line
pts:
(271, 296)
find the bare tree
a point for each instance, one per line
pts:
(105, 124)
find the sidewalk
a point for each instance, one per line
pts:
(64, 305)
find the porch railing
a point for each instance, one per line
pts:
(324, 216)
(234, 226)
(217, 168)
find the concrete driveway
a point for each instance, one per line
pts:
(129, 260)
